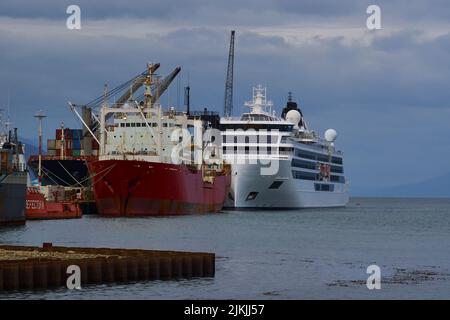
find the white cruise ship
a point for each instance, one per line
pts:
(277, 162)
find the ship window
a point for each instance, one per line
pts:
(127, 125)
(304, 175)
(122, 124)
(138, 124)
(284, 139)
(251, 196)
(133, 124)
(305, 154)
(303, 164)
(257, 126)
(276, 185)
(337, 169)
(324, 187)
(336, 160)
(339, 179)
(323, 158)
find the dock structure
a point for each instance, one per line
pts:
(46, 267)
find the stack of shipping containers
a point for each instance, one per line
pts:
(72, 144)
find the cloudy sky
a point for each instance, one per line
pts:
(386, 92)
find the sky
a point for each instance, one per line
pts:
(386, 91)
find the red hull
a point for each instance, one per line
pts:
(37, 208)
(140, 188)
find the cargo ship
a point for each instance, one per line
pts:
(13, 179)
(141, 169)
(64, 163)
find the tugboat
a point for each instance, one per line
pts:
(13, 179)
(136, 175)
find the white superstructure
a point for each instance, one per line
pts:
(280, 163)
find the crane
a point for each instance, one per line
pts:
(228, 105)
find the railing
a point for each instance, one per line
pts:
(253, 118)
(198, 113)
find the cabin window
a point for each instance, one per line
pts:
(276, 185)
(324, 187)
(339, 179)
(303, 164)
(251, 196)
(337, 169)
(304, 175)
(337, 160)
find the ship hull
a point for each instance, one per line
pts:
(252, 190)
(68, 172)
(12, 198)
(141, 188)
(38, 208)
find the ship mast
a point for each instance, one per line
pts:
(40, 115)
(148, 83)
(63, 141)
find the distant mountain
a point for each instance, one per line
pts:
(434, 187)
(30, 147)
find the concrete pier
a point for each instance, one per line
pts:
(36, 268)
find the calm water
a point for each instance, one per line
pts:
(320, 253)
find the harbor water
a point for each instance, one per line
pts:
(295, 254)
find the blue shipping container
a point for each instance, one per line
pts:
(76, 144)
(77, 134)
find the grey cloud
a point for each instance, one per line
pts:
(363, 89)
(230, 12)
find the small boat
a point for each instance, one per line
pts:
(40, 207)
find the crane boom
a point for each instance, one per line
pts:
(159, 90)
(139, 82)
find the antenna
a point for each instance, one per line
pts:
(40, 115)
(228, 105)
(8, 121)
(178, 92)
(9, 101)
(187, 99)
